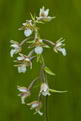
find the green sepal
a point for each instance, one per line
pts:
(47, 70)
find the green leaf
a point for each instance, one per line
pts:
(30, 41)
(47, 70)
(40, 22)
(57, 91)
(33, 18)
(38, 57)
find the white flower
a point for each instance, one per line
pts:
(43, 12)
(43, 15)
(37, 106)
(58, 47)
(27, 32)
(44, 90)
(25, 61)
(38, 44)
(38, 50)
(25, 93)
(16, 46)
(27, 27)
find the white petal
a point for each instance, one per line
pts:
(27, 59)
(46, 12)
(34, 105)
(44, 93)
(20, 58)
(58, 44)
(30, 21)
(40, 113)
(45, 87)
(22, 69)
(40, 40)
(22, 100)
(24, 24)
(14, 45)
(64, 51)
(40, 12)
(38, 50)
(27, 32)
(12, 52)
(22, 89)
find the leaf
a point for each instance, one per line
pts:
(38, 57)
(57, 91)
(47, 70)
(33, 18)
(40, 22)
(30, 41)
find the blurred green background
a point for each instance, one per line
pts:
(62, 107)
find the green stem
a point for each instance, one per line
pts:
(47, 108)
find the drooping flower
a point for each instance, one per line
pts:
(24, 62)
(44, 89)
(43, 15)
(25, 93)
(16, 46)
(58, 47)
(27, 27)
(37, 106)
(38, 44)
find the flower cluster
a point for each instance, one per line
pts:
(24, 61)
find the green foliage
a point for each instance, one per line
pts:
(47, 70)
(57, 91)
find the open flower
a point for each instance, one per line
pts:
(16, 46)
(44, 89)
(24, 61)
(27, 27)
(25, 93)
(43, 15)
(58, 47)
(37, 106)
(38, 44)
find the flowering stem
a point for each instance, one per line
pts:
(50, 42)
(24, 41)
(40, 97)
(47, 108)
(33, 82)
(42, 73)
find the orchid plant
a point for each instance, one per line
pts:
(37, 44)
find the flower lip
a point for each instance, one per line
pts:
(38, 50)
(27, 32)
